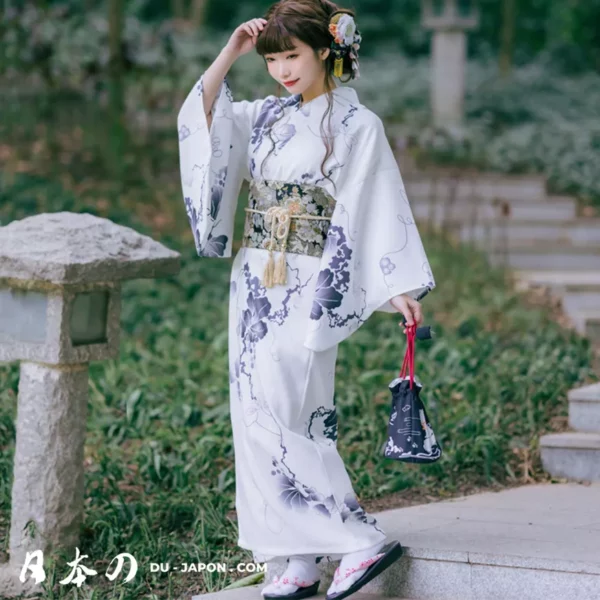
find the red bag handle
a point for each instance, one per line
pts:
(409, 355)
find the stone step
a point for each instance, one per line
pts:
(572, 280)
(575, 301)
(464, 212)
(253, 593)
(527, 188)
(586, 322)
(573, 454)
(525, 543)
(575, 232)
(578, 290)
(548, 256)
(584, 408)
(592, 330)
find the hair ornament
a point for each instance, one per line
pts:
(346, 40)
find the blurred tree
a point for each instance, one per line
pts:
(198, 12)
(192, 11)
(178, 8)
(573, 34)
(508, 36)
(116, 86)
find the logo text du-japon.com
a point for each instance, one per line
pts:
(34, 565)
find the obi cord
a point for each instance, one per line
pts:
(278, 220)
(281, 204)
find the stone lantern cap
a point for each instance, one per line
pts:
(70, 248)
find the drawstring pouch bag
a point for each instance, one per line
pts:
(410, 435)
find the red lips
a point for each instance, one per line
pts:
(290, 82)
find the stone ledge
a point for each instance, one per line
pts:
(426, 574)
(504, 560)
(572, 440)
(587, 393)
(582, 318)
(566, 280)
(474, 211)
(483, 186)
(573, 455)
(253, 593)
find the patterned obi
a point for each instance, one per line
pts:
(287, 217)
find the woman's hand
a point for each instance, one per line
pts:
(410, 308)
(243, 39)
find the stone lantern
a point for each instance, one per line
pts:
(449, 20)
(60, 281)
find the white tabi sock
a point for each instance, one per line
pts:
(301, 571)
(352, 567)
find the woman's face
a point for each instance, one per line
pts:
(299, 69)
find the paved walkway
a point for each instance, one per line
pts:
(528, 543)
(549, 522)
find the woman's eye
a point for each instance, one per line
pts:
(272, 59)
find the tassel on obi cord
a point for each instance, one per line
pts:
(278, 220)
(269, 273)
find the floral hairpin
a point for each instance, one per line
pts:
(346, 40)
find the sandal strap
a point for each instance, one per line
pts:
(363, 565)
(294, 581)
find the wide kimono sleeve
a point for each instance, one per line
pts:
(373, 250)
(213, 164)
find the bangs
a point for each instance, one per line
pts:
(275, 37)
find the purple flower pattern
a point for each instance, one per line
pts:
(386, 265)
(334, 281)
(256, 318)
(325, 420)
(352, 511)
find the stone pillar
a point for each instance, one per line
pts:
(448, 58)
(48, 461)
(448, 77)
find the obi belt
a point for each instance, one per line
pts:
(288, 217)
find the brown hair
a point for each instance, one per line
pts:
(307, 20)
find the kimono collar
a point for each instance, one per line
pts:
(345, 94)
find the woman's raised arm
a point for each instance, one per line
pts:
(242, 41)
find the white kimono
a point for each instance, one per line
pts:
(293, 494)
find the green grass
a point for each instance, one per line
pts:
(159, 470)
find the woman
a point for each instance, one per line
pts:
(329, 238)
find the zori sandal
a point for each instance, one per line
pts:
(305, 591)
(390, 553)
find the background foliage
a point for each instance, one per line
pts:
(543, 115)
(90, 91)
(565, 29)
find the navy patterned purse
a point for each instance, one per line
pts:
(410, 435)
